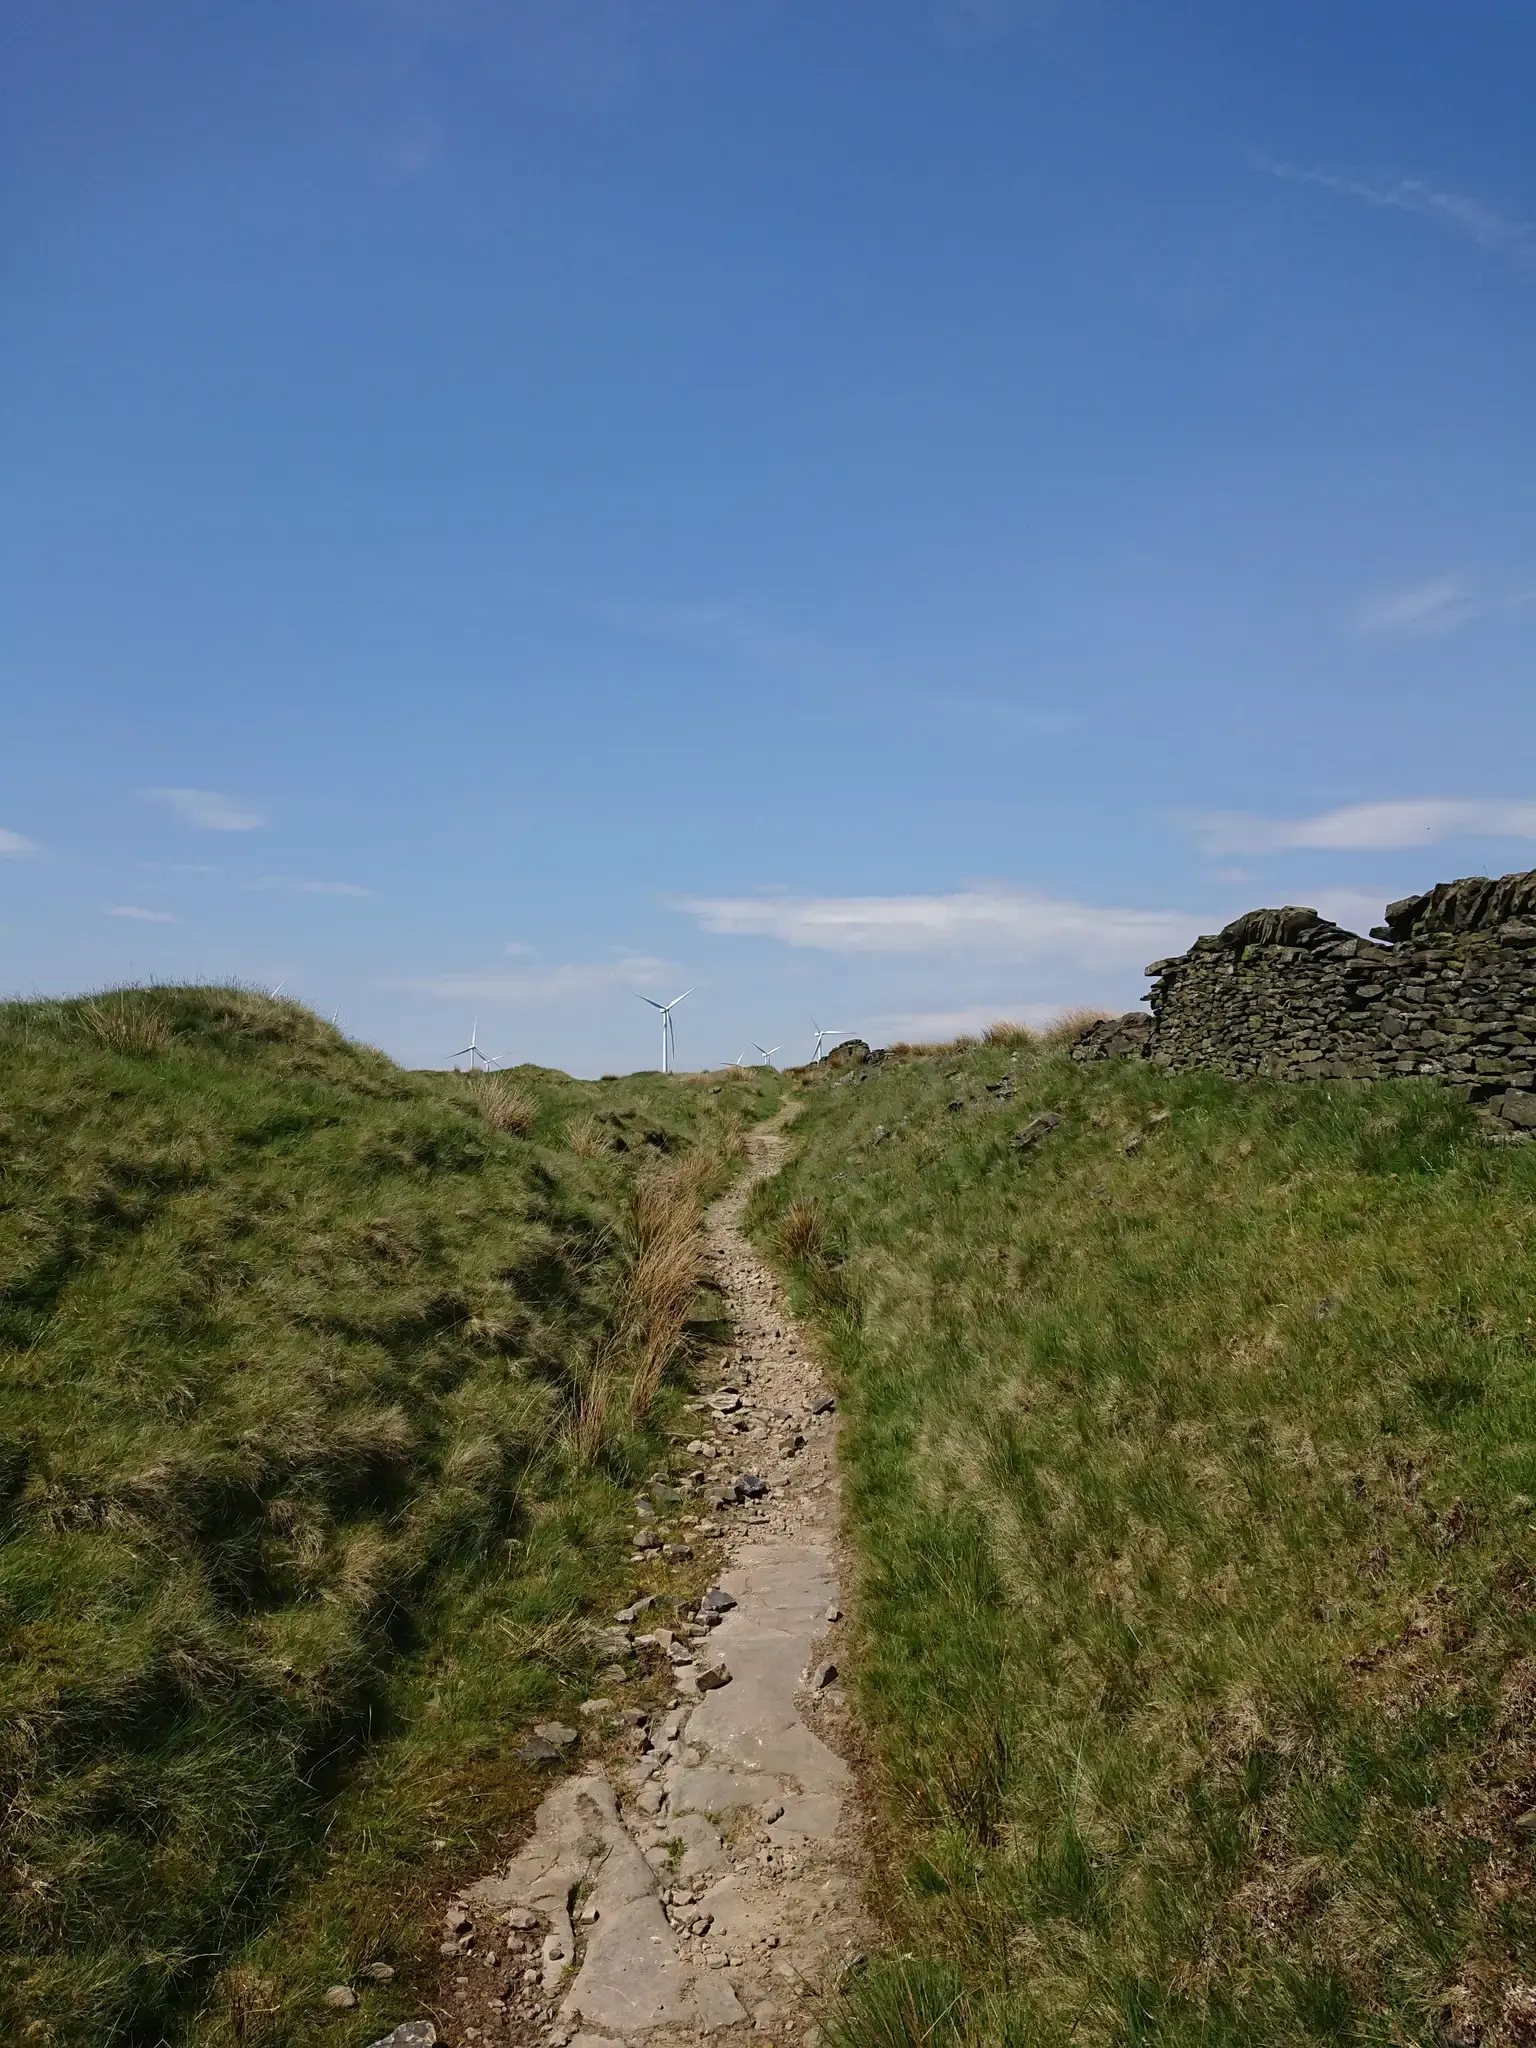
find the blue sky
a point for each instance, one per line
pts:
(898, 511)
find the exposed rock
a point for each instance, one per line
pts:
(411, 2034)
(1113, 1038)
(1037, 1128)
(341, 1998)
(853, 1052)
(552, 1731)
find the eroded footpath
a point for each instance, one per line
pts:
(709, 1880)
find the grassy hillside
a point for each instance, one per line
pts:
(1192, 1463)
(319, 1385)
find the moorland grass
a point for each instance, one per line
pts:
(1190, 1460)
(299, 1516)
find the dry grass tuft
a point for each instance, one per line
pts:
(502, 1103)
(586, 1137)
(1070, 1026)
(127, 1020)
(800, 1238)
(1006, 1032)
(599, 1396)
(665, 1268)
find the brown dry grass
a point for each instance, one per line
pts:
(502, 1103)
(1006, 1032)
(800, 1235)
(653, 1298)
(586, 1137)
(1071, 1024)
(128, 1020)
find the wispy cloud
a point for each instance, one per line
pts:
(993, 923)
(16, 843)
(295, 887)
(1419, 611)
(1410, 821)
(1482, 223)
(133, 910)
(206, 808)
(542, 985)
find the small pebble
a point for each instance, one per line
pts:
(341, 1997)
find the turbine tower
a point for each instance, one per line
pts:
(473, 1049)
(823, 1033)
(768, 1052)
(668, 1046)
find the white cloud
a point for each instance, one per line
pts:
(298, 888)
(1472, 217)
(545, 985)
(1412, 821)
(1419, 611)
(995, 923)
(16, 843)
(206, 808)
(143, 916)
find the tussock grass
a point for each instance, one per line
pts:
(1191, 1465)
(661, 1266)
(587, 1137)
(126, 1020)
(1070, 1026)
(1008, 1035)
(502, 1103)
(292, 1542)
(799, 1235)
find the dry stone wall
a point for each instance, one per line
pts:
(1446, 988)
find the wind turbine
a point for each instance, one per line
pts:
(768, 1052)
(668, 1048)
(473, 1049)
(823, 1033)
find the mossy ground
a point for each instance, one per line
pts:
(1190, 1467)
(296, 1533)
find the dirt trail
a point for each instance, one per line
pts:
(709, 1881)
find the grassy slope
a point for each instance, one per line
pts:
(1192, 1468)
(291, 1343)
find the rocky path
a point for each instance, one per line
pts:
(704, 1879)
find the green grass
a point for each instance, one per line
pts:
(297, 1527)
(1191, 1472)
